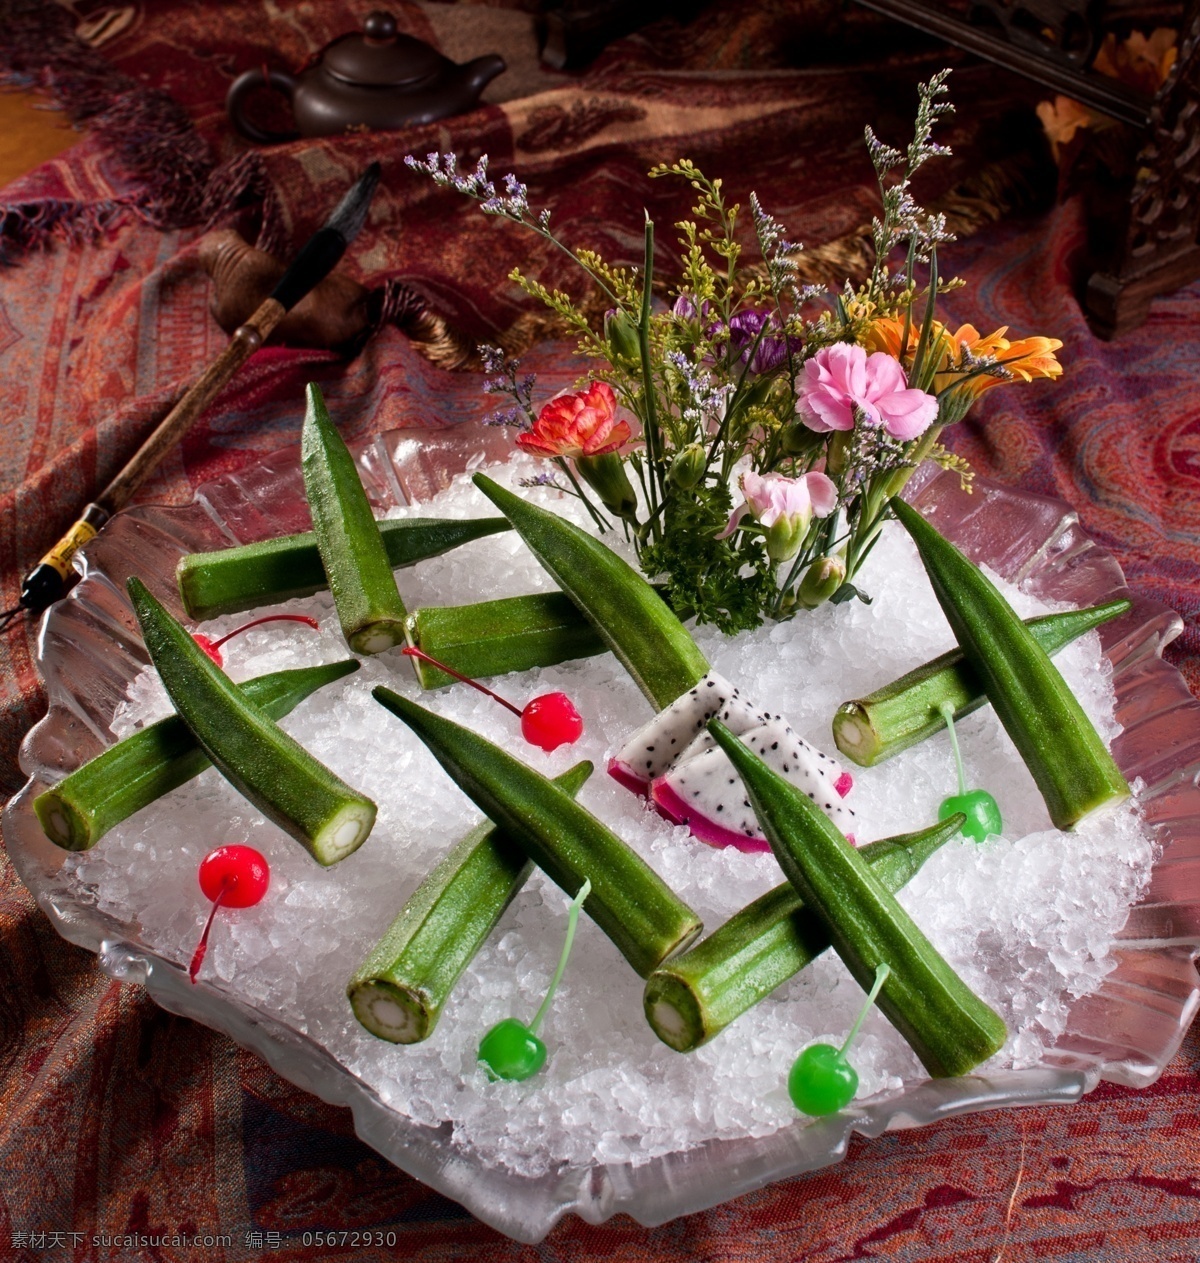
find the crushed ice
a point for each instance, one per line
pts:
(1027, 919)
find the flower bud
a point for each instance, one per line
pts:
(607, 478)
(821, 580)
(798, 440)
(837, 453)
(688, 467)
(621, 334)
(784, 538)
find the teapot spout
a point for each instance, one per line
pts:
(477, 74)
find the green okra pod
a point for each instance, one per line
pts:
(515, 633)
(871, 729)
(360, 575)
(693, 997)
(1059, 744)
(399, 991)
(151, 762)
(273, 770)
(229, 580)
(627, 613)
(628, 900)
(949, 1027)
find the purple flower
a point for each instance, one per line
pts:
(842, 380)
(684, 308)
(772, 348)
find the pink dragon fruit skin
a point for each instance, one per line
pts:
(669, 805)
(624, 775)
(706, 794)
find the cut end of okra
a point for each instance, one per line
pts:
(379, 637)
(855, 736)
(346, 831)
(674, 1013)
(62, 823)
(394, 1013)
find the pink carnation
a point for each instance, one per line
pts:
(840, 377)
(784, 507)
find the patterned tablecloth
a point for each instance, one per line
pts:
(117, 1119)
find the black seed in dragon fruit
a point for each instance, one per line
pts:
(656, 746)
(706, 794)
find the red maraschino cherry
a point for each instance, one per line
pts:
(549, 721)
(233, 876)
(213, 647)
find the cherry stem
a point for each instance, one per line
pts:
(882, 973)
(947, 713)
(572, 922)
(268, 618)
(414, 652)
(227, 884)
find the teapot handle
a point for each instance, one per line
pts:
(240, 89)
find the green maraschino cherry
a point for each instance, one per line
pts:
(821, 1080)
(980, 808)
(512, 1050)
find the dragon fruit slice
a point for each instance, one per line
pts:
(657, 746)
(706, 794)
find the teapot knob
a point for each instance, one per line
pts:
(379, 26)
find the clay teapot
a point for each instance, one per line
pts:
(379, 80)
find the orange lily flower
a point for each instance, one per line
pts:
(577, 425)
(885, 332)
(1025, 359)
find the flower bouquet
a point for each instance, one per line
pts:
(774, 420)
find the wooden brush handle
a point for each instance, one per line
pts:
(245, 341)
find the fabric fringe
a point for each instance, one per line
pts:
(431, 334)
(26, 226)
(240, 183)
(444, 345)
(150, 135)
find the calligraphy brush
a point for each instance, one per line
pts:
(49, 579)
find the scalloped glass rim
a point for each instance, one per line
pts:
(1125, 1033)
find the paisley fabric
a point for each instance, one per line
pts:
(124, 1125)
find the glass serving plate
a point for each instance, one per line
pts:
(1125, 1032)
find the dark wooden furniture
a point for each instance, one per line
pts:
(1151, 245)
(574, 32)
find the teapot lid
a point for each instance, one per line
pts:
(381, 57)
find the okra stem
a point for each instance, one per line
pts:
(274, 771)
(871, 729)
(360, 575)
(1068, 760)
(694, 997)
(229, 580)
(629, 901)
(399, 991)
(147, 764)
(949, 1027)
